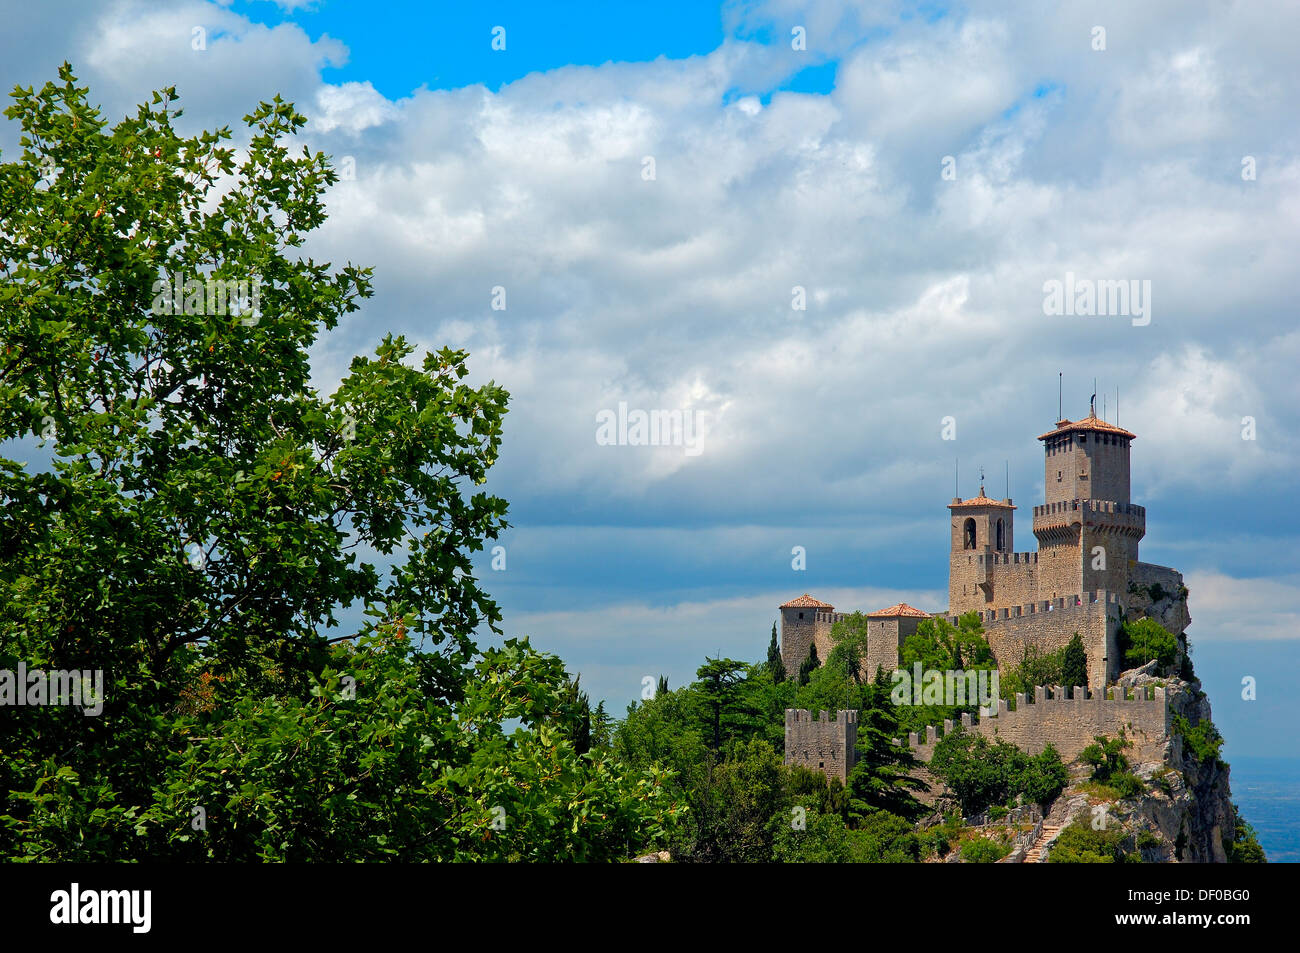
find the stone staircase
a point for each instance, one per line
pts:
(1038, 851)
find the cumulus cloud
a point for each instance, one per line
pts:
(924, 294)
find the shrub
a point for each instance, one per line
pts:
(1202, 740)
(1044, 777)
(1106, 755)
(823, 840)
(1147, 840)
(884, 838)
(1147, 639)
(1126, 784)
(1080, 844)
(984, 850)
(1244, 848)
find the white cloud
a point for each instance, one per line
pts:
(1229, 609)
(924, 295)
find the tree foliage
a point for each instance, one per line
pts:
(199, 518)
(1147, 639)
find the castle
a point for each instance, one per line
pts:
(1084, 577)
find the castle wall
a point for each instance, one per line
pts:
(982, 580)
(1050, 624)
(1069, 724)
(1060, 568)
(822, 633)
(822, 743)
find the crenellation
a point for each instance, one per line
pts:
(1070, 728)
(826, 743)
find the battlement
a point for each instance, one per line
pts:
(795, 716)
(1067, 723)
(1002, 559)
(828, 617)
(1060, 604)
(1091, 506)
(823, 743)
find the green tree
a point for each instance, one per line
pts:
(1035, 668)
(1147, 639)
(879, 837)
(775, 664)
(195, 533)
(977, 772)
(721, 691)
(1043, 777)
(883, 779)
(1074, 664)
(602, 727)
(809, 665)
(822, 839)
(938, 645)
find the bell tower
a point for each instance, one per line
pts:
(983, 533)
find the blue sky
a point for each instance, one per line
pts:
(778, 168)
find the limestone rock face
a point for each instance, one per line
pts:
(1170, 610)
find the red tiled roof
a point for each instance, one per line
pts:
(980, 500)
(806, 602)
(1091, 422)
(901, 609)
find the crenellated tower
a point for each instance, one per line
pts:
(1087, 530)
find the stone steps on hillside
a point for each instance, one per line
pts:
(1039, 848)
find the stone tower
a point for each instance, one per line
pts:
(887, 630)
(983, 529)
(825, 743)
(1087, 529)
(804, 620)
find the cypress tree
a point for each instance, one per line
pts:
(1074, 666)
(775, 665)
(810, 665)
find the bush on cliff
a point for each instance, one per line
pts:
(1147, 639)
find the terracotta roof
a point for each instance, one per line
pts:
(980, 500)
(901, 609)
(1091, 422)
(806, 602)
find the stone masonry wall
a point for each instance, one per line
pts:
(1067, 723)
(1050, 624)
(885, 637)
(822, 744)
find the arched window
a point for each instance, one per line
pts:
(1002, 539)
(968, 534)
